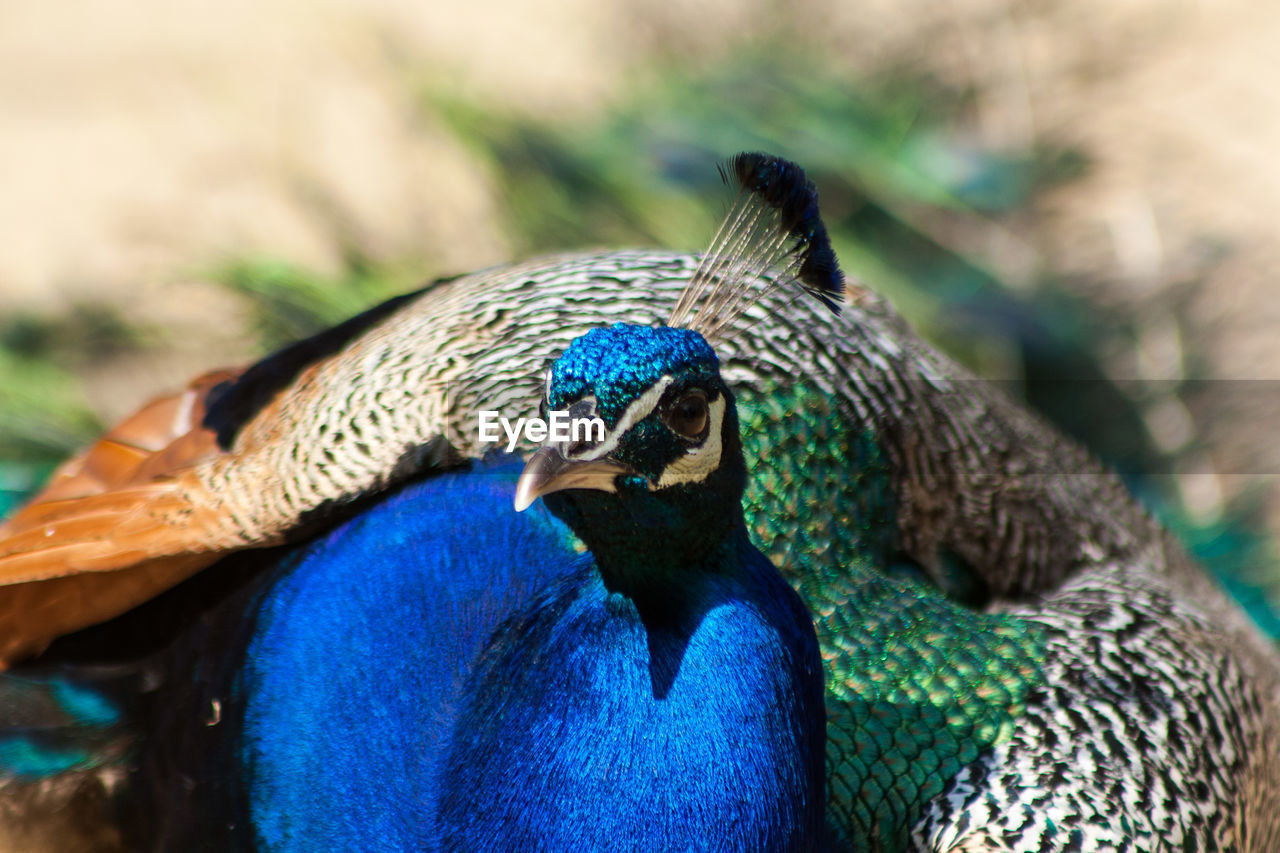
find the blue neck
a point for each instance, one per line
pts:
(645, 541)
(691, 723)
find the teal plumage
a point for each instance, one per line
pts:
(1016, 656)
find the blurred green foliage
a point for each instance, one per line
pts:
(43, 413)
(886, 156)
(288, 302)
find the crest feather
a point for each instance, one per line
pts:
(773, 231)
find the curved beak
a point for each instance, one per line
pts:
(549, 471)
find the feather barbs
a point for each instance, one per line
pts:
(772, 236)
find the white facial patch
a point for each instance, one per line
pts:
(698, 462)
(636, 412)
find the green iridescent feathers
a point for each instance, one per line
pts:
(917, 685)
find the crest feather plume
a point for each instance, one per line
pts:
(772, 236)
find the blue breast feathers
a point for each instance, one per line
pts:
(606, 726)
(441, 673)
(363, 652)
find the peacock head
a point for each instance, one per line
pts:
(667, 466)
(664, 481)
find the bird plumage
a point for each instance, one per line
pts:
(1064, 677)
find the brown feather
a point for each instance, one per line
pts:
(117, 524)
(166, 431)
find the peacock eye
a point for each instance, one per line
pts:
(688, 415)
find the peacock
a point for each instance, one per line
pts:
(293, 608)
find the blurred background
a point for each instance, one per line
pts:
(1078, 199)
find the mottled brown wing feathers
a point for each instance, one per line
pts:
(96, 533)
(115, 526)
(163, 436)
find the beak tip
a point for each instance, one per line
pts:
(526, 493)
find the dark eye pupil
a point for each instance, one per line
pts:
(689, 416)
